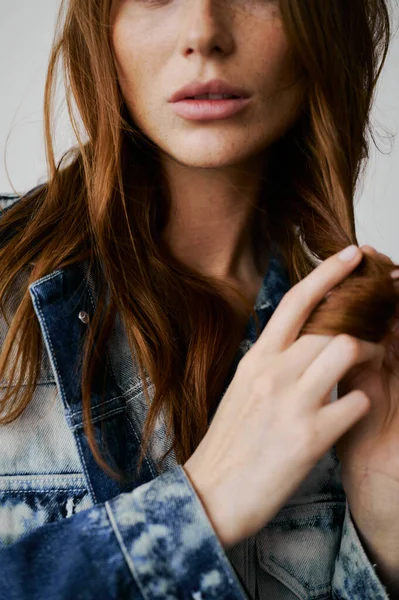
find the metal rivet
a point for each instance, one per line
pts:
(84, 317)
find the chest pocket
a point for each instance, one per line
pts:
(298, 549)
(30, 501)
(41, 479)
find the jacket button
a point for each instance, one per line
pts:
(84, 317)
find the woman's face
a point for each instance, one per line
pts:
(162, 45)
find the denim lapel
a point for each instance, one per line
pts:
(58, 298)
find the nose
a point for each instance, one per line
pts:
(206, 27)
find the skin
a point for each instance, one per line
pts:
(216, 169)
(369, 455)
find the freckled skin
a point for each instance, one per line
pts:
(161, 45)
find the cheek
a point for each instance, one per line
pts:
(278, 62)
(284, 82)
(137, 62)
(126, 60)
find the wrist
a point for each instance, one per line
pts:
(219, 512)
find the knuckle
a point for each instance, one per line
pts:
(308, 441)
(247, 364)
(264, 386)
(306, 339)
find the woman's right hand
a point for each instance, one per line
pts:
(276, 420)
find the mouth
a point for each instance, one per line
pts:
(209, 107)
(212, 97)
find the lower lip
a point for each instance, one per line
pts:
(209, 110)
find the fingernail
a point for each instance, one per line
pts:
(348, 253)
(394, 274)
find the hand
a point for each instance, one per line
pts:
(369, 451)
(276, 420)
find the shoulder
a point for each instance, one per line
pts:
(7, 200)
(10, 200)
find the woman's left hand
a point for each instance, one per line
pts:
(369, 451)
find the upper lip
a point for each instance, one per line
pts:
(215, 86)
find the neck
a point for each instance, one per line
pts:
(210, 225)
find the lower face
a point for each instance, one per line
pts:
(162, 45)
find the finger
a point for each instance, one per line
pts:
(336, 418)
(297, 304)
(341, 354)
(368, 249)
(297, 357)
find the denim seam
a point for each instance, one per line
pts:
(123, 548)
(138, 385)
(84, 466)
(4, 384)
(221, 554)
(79, 447)
(299, 521)
(129, 421)
(43, 476)
(53, 361)
(80, 411)
(278, 575)
(93, 306)
(314, 508)
(46, 491)
(324, 586)
(46, 278)
(109, 363)
(99, 417)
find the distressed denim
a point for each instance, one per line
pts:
(69, 531)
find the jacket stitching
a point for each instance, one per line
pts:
(99, 417)
(129, 421)
(53, 359)
(109, 364)
(123, 548)
(80, 411)
(45, 491)
(324, 586)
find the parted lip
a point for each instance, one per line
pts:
(215, 86)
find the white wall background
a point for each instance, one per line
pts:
(26, 33)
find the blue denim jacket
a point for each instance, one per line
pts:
(68, 531)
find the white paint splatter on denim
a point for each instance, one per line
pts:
(354, 576)
(169, 543)
(157, 541)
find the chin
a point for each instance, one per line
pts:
(208, 158)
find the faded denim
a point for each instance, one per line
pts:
(68, 531)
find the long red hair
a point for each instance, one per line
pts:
(182, 327)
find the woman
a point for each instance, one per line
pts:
(142, 454)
